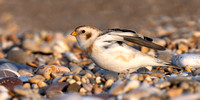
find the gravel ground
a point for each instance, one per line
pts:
(46, 63)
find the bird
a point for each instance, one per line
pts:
(109, 50)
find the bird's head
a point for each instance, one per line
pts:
(86, 35)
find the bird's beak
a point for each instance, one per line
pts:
(74, 33)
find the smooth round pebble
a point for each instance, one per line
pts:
(18, 56)
(110, 75)
(183, 60)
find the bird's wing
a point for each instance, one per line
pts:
(132, 36)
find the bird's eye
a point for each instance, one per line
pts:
(83, 31)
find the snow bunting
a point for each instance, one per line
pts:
(107, 48)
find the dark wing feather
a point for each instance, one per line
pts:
(143, 42)
(134, 37)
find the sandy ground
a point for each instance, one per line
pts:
(64, 15)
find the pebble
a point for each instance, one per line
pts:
(73, 87)
(162, 84)
(109, 83)
(19, 57)
(196, 72)
(24, 72)
(71, 81)
(117, 88)
(156, 74)
(71, 57)
(98, 90)
(87, 87)
(8, 65)
(165, 55)
(27, 85)
(55, 89)
(110, 75)
(132, 84)
(36, 79)
(98, 80)
(8, 73)
(75, 68)
(175, 92)
(4, 95)
(26, 92)
(24, 78)
(10, 82)
(42, 84)
(184, 60)
(83, 91)
(187, 97)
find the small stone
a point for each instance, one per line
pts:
(160, 42)
(18, 56)
(189, 96)
(98, 90)
(109, 83)
(156, 74)
(47, 73)
(24, 72)
(73, 87)
(87, 87)
(98, 80)
(48, 68)
(32, 64)
(196, 72)
(77, 78)
(56, 74)
(71, 57)
(83, 91)
(10, 82)
(35, 86)
(162, 84)
(75, 68)
(27, 85)
(8, 73)
(142, 70)
(92, 81)
(184, 60)
(62, 79)
(71, 81)
(111, 75)
(7, 65)
(132, 84)
(20, 90)
(117, 88)
(25, 78)
(62, 69)
(183, 47)
(42, 84)
(4, 95)
(36, 79)
(165, 55)
(184, 85)
(55, 89)
(170, 69)
(175, 92)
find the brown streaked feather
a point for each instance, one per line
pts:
(89, 49)
(144, 42)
